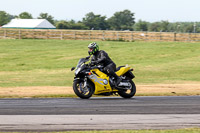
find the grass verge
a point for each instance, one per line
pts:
(187, 130)
(29, 63)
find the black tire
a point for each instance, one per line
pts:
(130, 92)
(84, 93)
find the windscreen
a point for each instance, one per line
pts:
(80, 62)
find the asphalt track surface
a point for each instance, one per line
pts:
(99, 105)
(59, 114)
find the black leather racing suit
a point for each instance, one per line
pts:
(102, 58)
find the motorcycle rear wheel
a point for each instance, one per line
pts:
(81, 91)
(129, 92)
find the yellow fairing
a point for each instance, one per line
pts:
(99, 81)
(123, 70)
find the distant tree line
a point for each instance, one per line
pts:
(122, 20)
(165, 26)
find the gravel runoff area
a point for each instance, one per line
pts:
(150, 89)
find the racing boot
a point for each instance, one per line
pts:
(117, 79)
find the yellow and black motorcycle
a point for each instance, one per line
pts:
(91, 80)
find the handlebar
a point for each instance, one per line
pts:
(97, 67)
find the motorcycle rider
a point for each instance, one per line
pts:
(100, 57)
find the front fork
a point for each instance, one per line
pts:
(85, 82)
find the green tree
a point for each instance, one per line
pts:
(189, 28)
(96, 22)
(123, 20)
(171, 27)
(164, 26)
(47, 17)
(4, 18)
(198, 27)
(155, 26)
(70, 25)
(25, 15)
(78, 25)
(62, 25)
(141, 26)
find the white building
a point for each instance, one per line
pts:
(29, 24)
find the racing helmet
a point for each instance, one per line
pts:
(93, 48)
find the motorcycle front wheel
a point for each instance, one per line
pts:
(81, 91)
(128, 92)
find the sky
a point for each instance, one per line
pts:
(146, 10)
